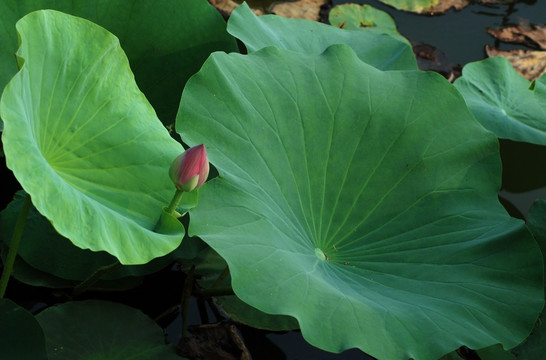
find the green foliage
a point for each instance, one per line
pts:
(535, 345)
(364, 17)
(377, 49)
(411, 5)
(46, 251)
(166, 41)
(92, 137)
(503, 101)
(353, 196)
(102, 330)
(21, 336)
(400, 199)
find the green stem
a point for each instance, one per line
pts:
(220, 278)
(91, 280)
(171, 209)
(175, 201)
(15, 241)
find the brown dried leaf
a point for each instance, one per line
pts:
(219, 341)
(530, 64)
(524, 33)
(225, 7)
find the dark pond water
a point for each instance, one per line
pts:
(462, 34)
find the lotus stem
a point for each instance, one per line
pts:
(91, 280)
(15, 241)
(220, 278)
(175, 201)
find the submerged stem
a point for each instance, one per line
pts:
(221, 278)
(15, 241)
(225, 291)
(91, 280)
(185, 301)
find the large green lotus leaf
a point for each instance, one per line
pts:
(166, 41)
(20, 334)
(209, 267)
(535, 345)
(85, 143)
(377, 49)
(504, 101)
(102, 330)
(361, 202)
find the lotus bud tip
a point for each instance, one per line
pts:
(190, 169)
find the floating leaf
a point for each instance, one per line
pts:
(354, 16)
(85, 143)
(20, 334)
(257, 32)
(361, 202)
(427, 6)
(166, 41)
(102, 330)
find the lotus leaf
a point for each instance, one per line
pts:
(166, 41)
(378, 49)
(361, 202)
(366, 17)
(102, 330)
(20, 334)
(503, 101)
(84, 142)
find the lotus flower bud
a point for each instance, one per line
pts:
(190, 169)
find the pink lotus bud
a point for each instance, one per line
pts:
(190, 169)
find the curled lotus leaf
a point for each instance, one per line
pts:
(84, 142)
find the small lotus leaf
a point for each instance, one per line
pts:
(365, 17)
(503, 101)
(412, 5)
